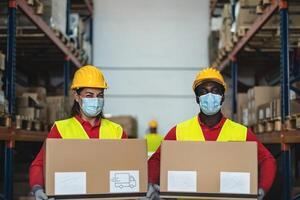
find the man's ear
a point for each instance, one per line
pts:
(223, 99)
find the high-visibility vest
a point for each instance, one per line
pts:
(153, 142)
(72, 129)
(190, 130)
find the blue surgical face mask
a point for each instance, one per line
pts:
(92, 107)
(210, 103)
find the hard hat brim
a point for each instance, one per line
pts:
(199, 82)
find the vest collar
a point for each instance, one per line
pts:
(83, 122)
(217, 126)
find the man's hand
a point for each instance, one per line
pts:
(38, 192)
(261, 194)
(153, 192)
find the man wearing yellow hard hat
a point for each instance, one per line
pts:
(211, 125)
(153, 138)
(87, 121)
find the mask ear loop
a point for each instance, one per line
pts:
(223, 99)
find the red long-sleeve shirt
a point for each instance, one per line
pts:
(266, 162)
(36, 174)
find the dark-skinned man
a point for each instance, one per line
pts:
(210, 125)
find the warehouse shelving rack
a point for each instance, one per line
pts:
(284, 138)
(9, 133)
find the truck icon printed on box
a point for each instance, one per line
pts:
(122, 180)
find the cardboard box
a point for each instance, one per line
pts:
(27, 198)
(181, 175)
(28, 113)
(249, 3)
(264, 111)
(128, 123)
(102, 168)
(2, 61)
(58, 107)
(41, 93)
(247, 16)
(245, 118)
(26, 101)
(2, 97)
(258, 96)
(55, 14)
(242, 101)
(276, 107)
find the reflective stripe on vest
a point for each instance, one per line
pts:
(72, 129)
(190, 130)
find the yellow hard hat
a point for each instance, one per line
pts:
(153, 124)
(89, 76)
(209, 74)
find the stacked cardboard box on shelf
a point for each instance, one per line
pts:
(2, 61)
(242, 102)
(213, 45)
(247, 15)
(249, 3)
(258, 96)
(31, 104)
(59, 107)
(54, 14)
(225, 31)
(3, 101)
(80, 36)
(276, 107)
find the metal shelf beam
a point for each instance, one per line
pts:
(11, 134)
(10, 94)
(258, 24)
(89, 6)
(285, 97)
(234, 77)
(41, 24)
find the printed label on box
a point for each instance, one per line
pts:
(124, 181)
(70, 183)
(182, 181)
(235, 182)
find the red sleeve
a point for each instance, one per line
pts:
(124, 135)
(36, 174)
(266, 164)
(154, 161)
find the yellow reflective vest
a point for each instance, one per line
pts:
(153, 142)
(190, 130)
(72, 129)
